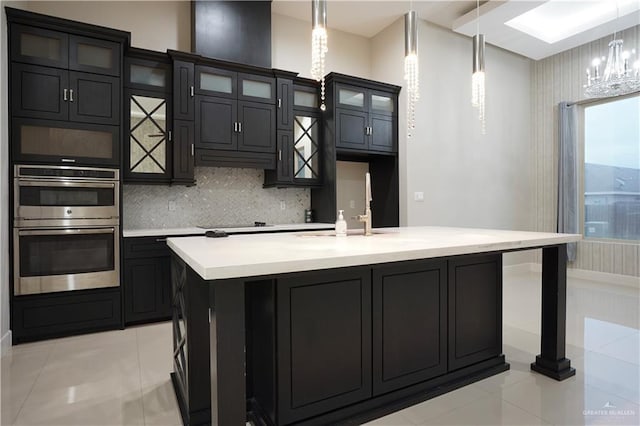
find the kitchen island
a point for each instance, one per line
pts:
(309, 328)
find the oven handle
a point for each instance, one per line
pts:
(67, 231)
(22, 182)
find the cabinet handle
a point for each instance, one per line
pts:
(67, 160)
(192, 150)
(64, 94)
(71, 95)
(170, 136)
(279, 103)
(239, 127)
(279, 155)
(161, 240)
(235, 127)
(191, 91)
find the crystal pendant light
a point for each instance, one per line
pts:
(411, 74)
(477, 78)
(319, 44)
(618, 78)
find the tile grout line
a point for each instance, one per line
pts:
(44, 364)
(527, 411)
(144, 420)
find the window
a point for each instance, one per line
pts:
(612, 169)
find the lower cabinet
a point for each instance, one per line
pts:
(409, 324)
(324, 342)
(146, 280)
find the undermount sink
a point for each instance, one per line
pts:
(350, 232)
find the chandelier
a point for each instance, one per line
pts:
(618, 77)
(477, 78)
(411, 74)
(319, 44)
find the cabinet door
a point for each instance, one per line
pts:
(94, 98)
(183, 90)
(382, 103)
(383, 133)
(146, 289)
(285, 143)
(256, 132)
(351, 129)
(306, 148)
(216, 123)
(324, 341)
(256, 88)
(39, 92)
(351, 97)
(409, 324)
(93, 55)
(147, 74)
(147, 118)
(216, 82)
(284, 103)
(183, 151)
(475, 309)
(39, 46)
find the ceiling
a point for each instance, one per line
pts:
(368, 17)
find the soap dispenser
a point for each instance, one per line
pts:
(341, 225)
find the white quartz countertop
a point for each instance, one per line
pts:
(265, 254)
(159, 232)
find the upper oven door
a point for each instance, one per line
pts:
(51, 260)
(38, 201)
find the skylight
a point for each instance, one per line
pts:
(557, 20)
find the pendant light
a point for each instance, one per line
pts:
(319, 44)
(478, 77)
(411, 74)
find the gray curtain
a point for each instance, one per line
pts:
(567, 173)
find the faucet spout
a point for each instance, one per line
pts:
(366, 217)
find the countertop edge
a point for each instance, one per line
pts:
(167, 232)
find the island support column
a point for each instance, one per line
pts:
(552, 361)
(227, 345)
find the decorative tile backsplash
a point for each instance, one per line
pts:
(222, 196)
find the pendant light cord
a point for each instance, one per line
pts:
(477, 17)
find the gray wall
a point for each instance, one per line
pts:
(222, 196)
(556, 79)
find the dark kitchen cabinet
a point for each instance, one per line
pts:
(299, 150)
(148, 117)
(475, 309)
(55, 94)
(409, 324)
(184, 113)
(183, 90)
(366, 118)
(183, 152)
(324, 342)
(284, 95)
(146, 280)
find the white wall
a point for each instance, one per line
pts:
(4, 190)
(291, 49)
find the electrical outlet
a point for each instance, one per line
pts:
(283, 206)
(172, 206)
(418, 196)
(352, 204)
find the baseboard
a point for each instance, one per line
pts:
(583, 274)
(5, 343)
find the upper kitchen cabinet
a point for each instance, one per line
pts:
(183, 149)
(65, 90)
(235, 116)
(148, 125)
(299, 135)
(364, 114)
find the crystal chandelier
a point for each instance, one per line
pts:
(411, 74)
(477, 78)
(618, 78)
(319, 44)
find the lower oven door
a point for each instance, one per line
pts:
(51, 260)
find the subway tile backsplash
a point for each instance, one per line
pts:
(222, 196)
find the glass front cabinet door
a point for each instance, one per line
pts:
(306, 148)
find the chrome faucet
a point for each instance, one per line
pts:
(366, 217)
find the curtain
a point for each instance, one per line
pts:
(567, 173)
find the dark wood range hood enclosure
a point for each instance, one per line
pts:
(236, 31)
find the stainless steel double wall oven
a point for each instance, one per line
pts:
(66, 228)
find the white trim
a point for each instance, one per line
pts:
(5, 343)
(583, 274)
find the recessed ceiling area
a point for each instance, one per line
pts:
(509, 24)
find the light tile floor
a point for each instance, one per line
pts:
(122, 377)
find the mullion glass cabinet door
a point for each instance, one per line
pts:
(148, 137)
(39, 46)
(306, 148)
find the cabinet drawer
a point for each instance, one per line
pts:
(141, 247)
